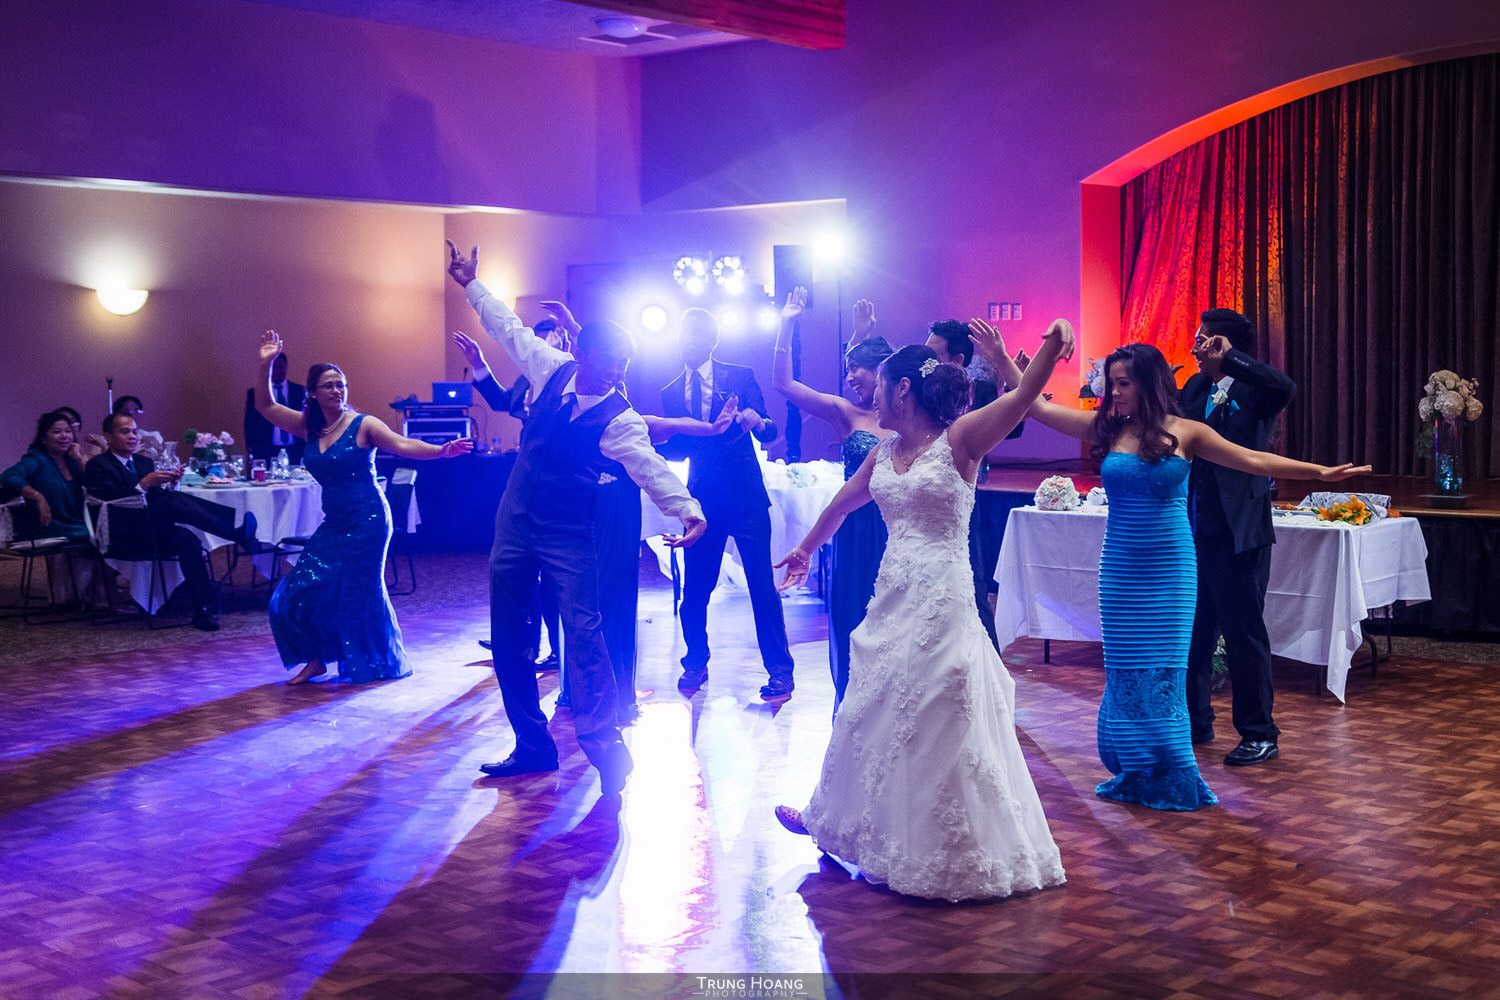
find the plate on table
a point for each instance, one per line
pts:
(1297, 511)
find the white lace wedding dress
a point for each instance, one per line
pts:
(924, 786)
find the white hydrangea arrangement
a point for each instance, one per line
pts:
(1056, 493)
(1450, 397)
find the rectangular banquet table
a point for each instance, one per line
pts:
(1325, 579)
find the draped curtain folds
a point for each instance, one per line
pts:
(1359, 229)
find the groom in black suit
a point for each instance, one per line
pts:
(724, 476)
(1239, 397)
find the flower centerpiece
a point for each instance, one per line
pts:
(1446, 401)
(1093, 382)
(1351, 511)
(207, 449)
(1056, 493)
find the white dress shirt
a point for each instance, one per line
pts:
(279, 437)
(625, 439)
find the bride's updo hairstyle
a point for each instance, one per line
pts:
(942, 391)
(1156, 399)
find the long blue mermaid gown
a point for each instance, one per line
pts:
(857, 550)
(333, 605)
(1148, 575)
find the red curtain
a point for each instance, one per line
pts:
(1359, 229)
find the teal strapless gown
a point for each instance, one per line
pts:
(333, 605)
(858, 547)
(1148, 583)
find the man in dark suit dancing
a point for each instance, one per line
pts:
(263, 440)
(724, 475)
(1239, 397)
(120, 472)
(578, 422)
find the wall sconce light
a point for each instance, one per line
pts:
(122, 301)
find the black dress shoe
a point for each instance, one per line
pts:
(627, 715)
(778, 689)
(484, 644)
(1251, 752)
(247, 539)
(550, 663)
(205, 620)
(614, 769)
(513, 765)
(692, 678)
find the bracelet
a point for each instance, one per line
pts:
(783, 350)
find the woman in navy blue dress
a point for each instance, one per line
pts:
(333, 606)
(1148, 568)
(860, 542)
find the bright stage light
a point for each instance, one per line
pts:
(831, 247)
(731, 318)
(729, 272)
(696, 285)
(689, 269)
(767, 318)
(653, 319)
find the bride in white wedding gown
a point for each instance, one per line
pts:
(924, 786)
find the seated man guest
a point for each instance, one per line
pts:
(262, 439)
(159, 529)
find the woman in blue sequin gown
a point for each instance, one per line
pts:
(860, 541)
(333, 606)
(1148, 570)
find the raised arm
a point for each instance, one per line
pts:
(854, 495)
(277, 415)
(375, 434)
(825, 406)
(1274, 388)
(989, 345)
(564, 316)
(1198, 440)
(975, 433)
(530, 353)
(864, 321)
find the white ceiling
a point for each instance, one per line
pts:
(543, 24)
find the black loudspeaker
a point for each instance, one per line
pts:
(793, 266)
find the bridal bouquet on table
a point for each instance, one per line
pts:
(1056, 493)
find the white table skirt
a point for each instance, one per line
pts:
(1325, 579)
(798, 495)
(282, 510)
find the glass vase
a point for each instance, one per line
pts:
(1447, 455)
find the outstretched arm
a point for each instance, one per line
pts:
(375, 434)
(854, 495)
(277, 415)
(1198, 440)
(825, 406)
(975, 433)
(662, 428)
(626, 441)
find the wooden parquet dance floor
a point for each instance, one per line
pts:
(180, 825)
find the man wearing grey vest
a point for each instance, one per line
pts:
(579, 423)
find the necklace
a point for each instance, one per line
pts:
(334, 426)
(904, 464)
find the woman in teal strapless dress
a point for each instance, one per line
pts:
(1148, 569)
(860, 542)
(333, 606)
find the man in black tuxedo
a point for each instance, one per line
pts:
(119, 472)
(1239, 397)
(724, 476)
(263, 440)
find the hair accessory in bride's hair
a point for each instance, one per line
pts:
(928, 367)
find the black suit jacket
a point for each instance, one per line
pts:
(1222, 497)
(258, 429)
(503, 400)
(723, 470)
(106, 478)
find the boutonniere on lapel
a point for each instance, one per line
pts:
(1220, 396)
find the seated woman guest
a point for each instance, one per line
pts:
(51, 479)
(333, 605)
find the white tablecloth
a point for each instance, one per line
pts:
(1325, 579)
(282, 510)
(798, 495)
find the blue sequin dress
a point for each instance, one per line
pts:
(333, 605)
(1148, 576)
(857, 549)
